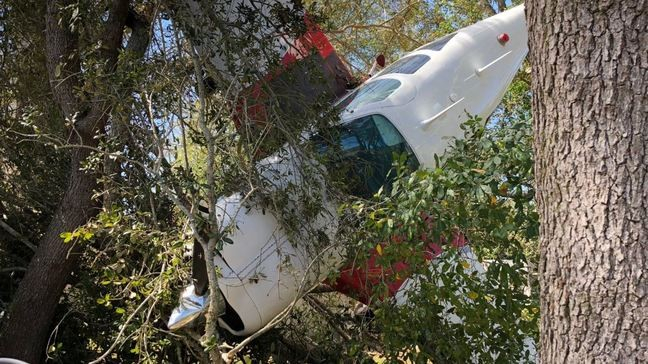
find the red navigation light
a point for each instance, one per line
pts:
(503, 38)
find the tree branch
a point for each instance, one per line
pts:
(17, 235)
(63, 65)
(109, 52)
(322, 288)
(114, 32)
(501, 5)
(13, 269)
(210, 247)
(140, 25)
(328, 316)
(488, 7)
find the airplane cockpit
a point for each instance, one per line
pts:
(364, 150)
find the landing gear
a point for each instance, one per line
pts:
(195, 298)
(191, 307)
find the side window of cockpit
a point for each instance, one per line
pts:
(389, 134)
(438, 44)
(366, 148)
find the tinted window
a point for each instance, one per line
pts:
(363, 151)
(370, 92)
(407, 65)
(438, 44)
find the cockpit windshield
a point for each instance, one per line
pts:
(370, 92)
(363, 150)
(408, 65)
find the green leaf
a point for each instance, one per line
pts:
(67, 237)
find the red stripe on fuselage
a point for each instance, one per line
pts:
(361, 282)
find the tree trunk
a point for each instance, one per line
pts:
(590, 87)
(28, 326)
(26, 333)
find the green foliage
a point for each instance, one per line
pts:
(132, 271)
(483, 189)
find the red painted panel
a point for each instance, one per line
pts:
(313, 48)
(361, 282)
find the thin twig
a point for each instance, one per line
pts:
(283, 314)
(121, 331)
(128, 320)
(13, 269)
(328, 316)
(17, 235)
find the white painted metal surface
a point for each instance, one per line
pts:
(467, 76)
(264, 270)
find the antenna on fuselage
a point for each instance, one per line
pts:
(379, 64)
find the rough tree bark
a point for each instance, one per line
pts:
(590, 87)
(28, 326)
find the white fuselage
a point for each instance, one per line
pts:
(466, 76)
